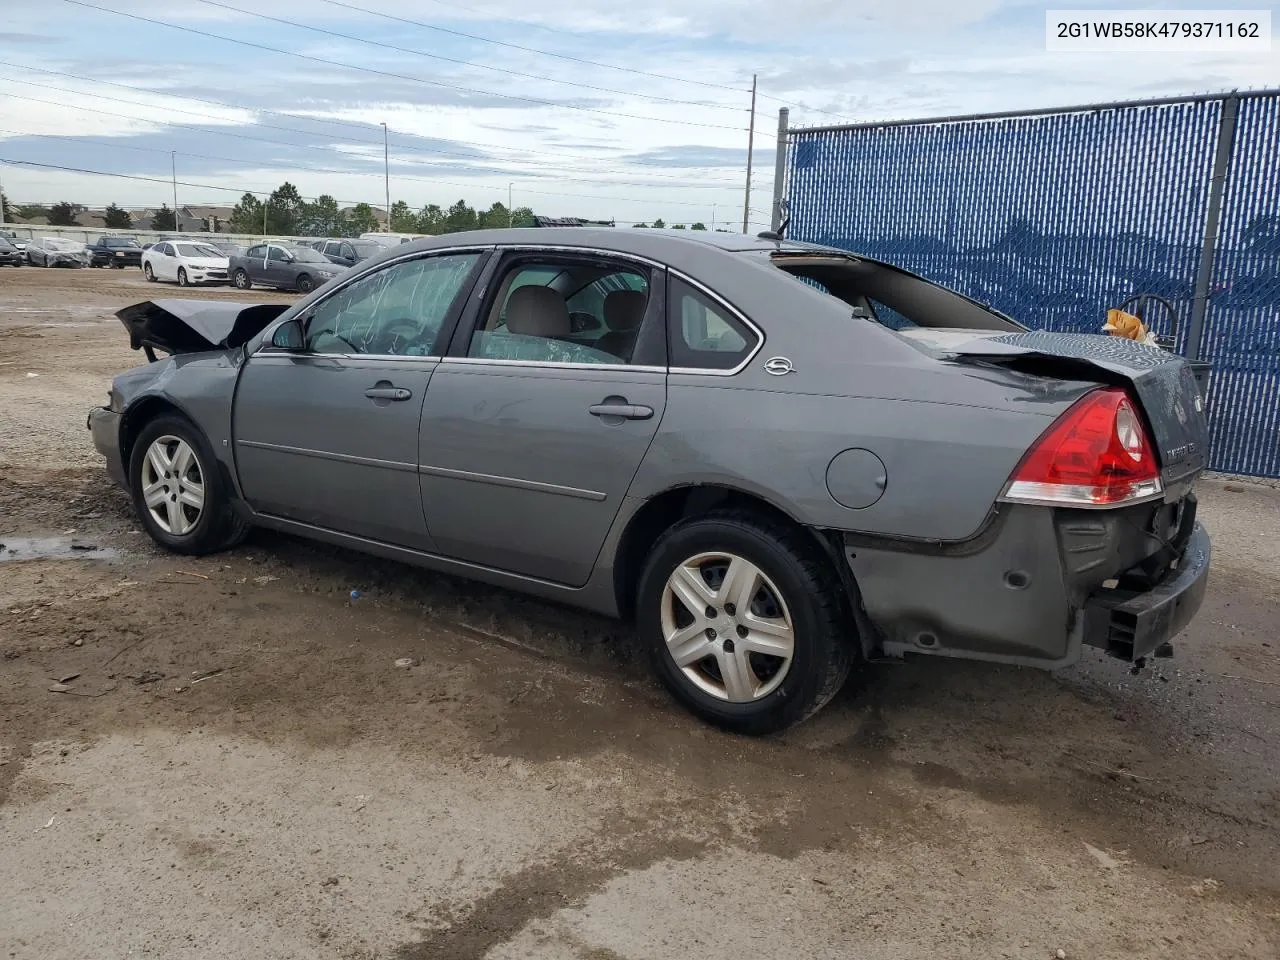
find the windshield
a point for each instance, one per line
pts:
(198, 250)
(307, 255)
(120, 242)
(367, 248)
(58, 243)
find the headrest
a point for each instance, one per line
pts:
(537, 312)
(624, 310)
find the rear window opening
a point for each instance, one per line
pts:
(892, 297)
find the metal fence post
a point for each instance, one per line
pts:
(780, 171)
(1217, 185)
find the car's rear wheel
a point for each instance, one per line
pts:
(305, 284)
(182, 278)
(177, 490)
(148, 273)
(745, 621)
(241, 279)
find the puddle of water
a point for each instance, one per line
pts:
(53, 548)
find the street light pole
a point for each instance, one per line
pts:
(173, 166)
(751, 142)
(386, 172)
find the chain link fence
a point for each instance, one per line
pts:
(1055, 216)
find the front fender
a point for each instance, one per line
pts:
(200, 386)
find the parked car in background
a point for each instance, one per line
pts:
(391, 239)
(229, 248)
(185, 262)
(117, 252)
(285, 266)
(58, 252)
(13, 238)
(10, 255)
(720, 436)
(347, 252)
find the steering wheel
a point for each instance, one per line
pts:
(396, 335)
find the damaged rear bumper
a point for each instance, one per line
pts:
(1131, 625)
(104, 426)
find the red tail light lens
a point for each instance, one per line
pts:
(1097, 454)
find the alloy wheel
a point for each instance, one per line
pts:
(727, 627)
(173, 485)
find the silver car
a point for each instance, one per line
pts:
(781, 460)
(58, 252)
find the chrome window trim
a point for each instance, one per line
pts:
(269, 331)
(550, 364)
(616, 255)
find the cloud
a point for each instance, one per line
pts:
(30, 38)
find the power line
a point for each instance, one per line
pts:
(295, 146)
(468, 63)
(544, 53)
(396, 76)
(743, 90)
(448, 183)
(309, 133)
(314, 169)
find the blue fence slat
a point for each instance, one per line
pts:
(1242, 326)
(1055, 218)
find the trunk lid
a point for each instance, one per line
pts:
(1163, 383)
(195, 326)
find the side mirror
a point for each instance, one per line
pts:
(288, 336)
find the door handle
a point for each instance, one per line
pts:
(388, 393)
(624, 411)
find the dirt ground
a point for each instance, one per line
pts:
(239, 769)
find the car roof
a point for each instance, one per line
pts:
(661, 244)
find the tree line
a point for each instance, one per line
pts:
(286, 213)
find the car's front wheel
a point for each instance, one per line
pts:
(745, 621)
(177, 490)
(182, 277)
(305, 284)
(148, 273)
(241, 279)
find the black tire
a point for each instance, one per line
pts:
(305, 284)
(825, 642)
(182, 277)
(240, 279)
(148, 273)
(218, 526)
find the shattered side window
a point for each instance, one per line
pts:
(397, 311)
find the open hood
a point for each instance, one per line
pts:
(1163, 382)
(194, 326)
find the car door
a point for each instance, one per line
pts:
(162, 262)
(279, 270)
(531, 434)
(327, 435)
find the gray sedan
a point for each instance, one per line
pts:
(285, 266)
(781, 460)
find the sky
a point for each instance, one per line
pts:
(590, 108)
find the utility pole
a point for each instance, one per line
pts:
(265, 203)
(173, 166)
(780, 171)
(386, 173)
(751, 138)
(1, 204)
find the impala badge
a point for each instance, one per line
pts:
(778, 366)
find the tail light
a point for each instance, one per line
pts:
(1097, 454)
